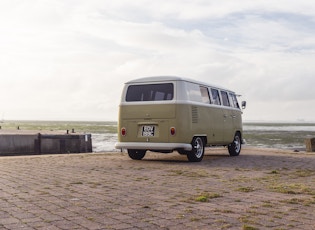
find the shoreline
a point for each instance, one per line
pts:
(288, 136)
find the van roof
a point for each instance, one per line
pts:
(157, 78)
(172, 78)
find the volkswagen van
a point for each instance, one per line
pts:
(166, 114)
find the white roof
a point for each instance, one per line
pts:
(156, 79)
(171, 78)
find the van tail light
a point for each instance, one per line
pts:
(173, 131)
(123, 131)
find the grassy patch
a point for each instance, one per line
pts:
(44, 193)
(293, 188)
(246, 189)
(94, 184)
(274, 172)
(300, 201)
(77, 182)
(268, 204)
(176, 172)
(241, 179)
(194, 219)
(247, 227)
(202, 198)
(303, 173)
(224, 211)
(141, 178)
(205, 197)
(194, 174)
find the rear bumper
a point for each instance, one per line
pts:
(153, 146)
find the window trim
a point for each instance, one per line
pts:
(142, 97)
(213, 100)
(225, 99)
(206, 95)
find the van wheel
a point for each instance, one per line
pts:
(136, 154)
(182, 152)
(198, 150)
(236, 145)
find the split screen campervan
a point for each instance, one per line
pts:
(164, 114)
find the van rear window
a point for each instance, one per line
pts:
(150, 92)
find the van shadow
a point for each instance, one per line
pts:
(246, 160)
(178, 158)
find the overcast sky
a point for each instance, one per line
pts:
(69, 59)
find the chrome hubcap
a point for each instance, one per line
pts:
(237, 143)
(198, 147)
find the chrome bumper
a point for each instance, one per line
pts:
(153, 146)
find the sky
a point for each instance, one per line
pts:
(69, 59)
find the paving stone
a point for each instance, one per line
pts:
(261, 188)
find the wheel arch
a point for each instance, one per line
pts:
(204, 137)
(240, 132)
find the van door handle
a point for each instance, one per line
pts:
(233, 116)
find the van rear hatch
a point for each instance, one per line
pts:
(146, 112)
(144, 123)
(148, 101)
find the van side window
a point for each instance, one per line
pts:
(150, 92)
(215, 97)
(225, 98)
(205, 94)
(234, 101)
(193, 92)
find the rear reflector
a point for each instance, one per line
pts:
(123, 131)
(173, 131)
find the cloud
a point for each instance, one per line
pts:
(69, 59)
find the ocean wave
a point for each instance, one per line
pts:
(104, 142)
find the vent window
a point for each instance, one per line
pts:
(234, 101)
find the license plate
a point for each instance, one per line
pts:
(148, 130)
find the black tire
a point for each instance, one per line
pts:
(182, 152)
(198, 150)
(236, 146)
(136, 154)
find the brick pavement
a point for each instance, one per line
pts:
(260, 189)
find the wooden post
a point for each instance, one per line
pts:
(310, 144)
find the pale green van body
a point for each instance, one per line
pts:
(170, 124)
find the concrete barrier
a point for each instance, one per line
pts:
(13, 144)
(310, 144)
(65, 143)
(21, 144)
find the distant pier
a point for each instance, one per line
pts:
(22, 142)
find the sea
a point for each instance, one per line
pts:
(280, 135)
